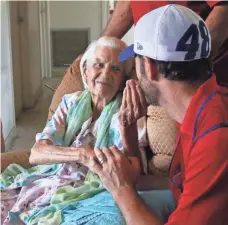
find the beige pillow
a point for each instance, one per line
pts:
(71, 83)
(162, 132)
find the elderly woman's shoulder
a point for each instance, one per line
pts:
(73, 96)
(70, 98)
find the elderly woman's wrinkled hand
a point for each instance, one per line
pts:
(114, 168)
(86, 156)
(134, 105)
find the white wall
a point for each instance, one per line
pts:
(30, 55)
(16, 57)
(77, 14)
(45, 39)
(34, 48)
(7, 100)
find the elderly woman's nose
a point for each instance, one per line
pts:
(106, 71)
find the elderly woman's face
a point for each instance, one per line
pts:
(104, 75)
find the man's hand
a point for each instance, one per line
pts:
(119, 176)
(134, 105)
(116, 170)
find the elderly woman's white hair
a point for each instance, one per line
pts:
(105, 41)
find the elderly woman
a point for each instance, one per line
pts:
(87, 119)
(83, 121)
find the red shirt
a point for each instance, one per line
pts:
(140, 8)
(199, 170)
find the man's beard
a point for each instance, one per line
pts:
(150, 91)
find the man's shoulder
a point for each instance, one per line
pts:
(212, 127)
(215, 111)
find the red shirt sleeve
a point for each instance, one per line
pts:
(204, 200)
(140, 8)
(212, 3)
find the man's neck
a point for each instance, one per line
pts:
(176, 99)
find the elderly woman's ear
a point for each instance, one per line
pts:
(84, 68)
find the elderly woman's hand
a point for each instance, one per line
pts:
(134, 105)
(115, 169)
(85, 155)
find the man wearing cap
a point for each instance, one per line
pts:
(171, 48)
(214, 13)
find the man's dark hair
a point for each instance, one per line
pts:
(196, 71)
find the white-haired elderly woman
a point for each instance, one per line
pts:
(83, 121)
(88, 119)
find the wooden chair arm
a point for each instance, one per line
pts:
(20, 157)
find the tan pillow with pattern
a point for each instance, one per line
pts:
(161, 132)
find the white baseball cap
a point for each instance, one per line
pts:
(170, 33)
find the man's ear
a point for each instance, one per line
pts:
(151, 69)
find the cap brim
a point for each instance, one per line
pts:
(126, 53)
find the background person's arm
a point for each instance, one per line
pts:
(217, 23)
(121, 20)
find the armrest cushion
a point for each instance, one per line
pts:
(72, 82)
(19, 157)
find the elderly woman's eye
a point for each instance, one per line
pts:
(99, 65)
